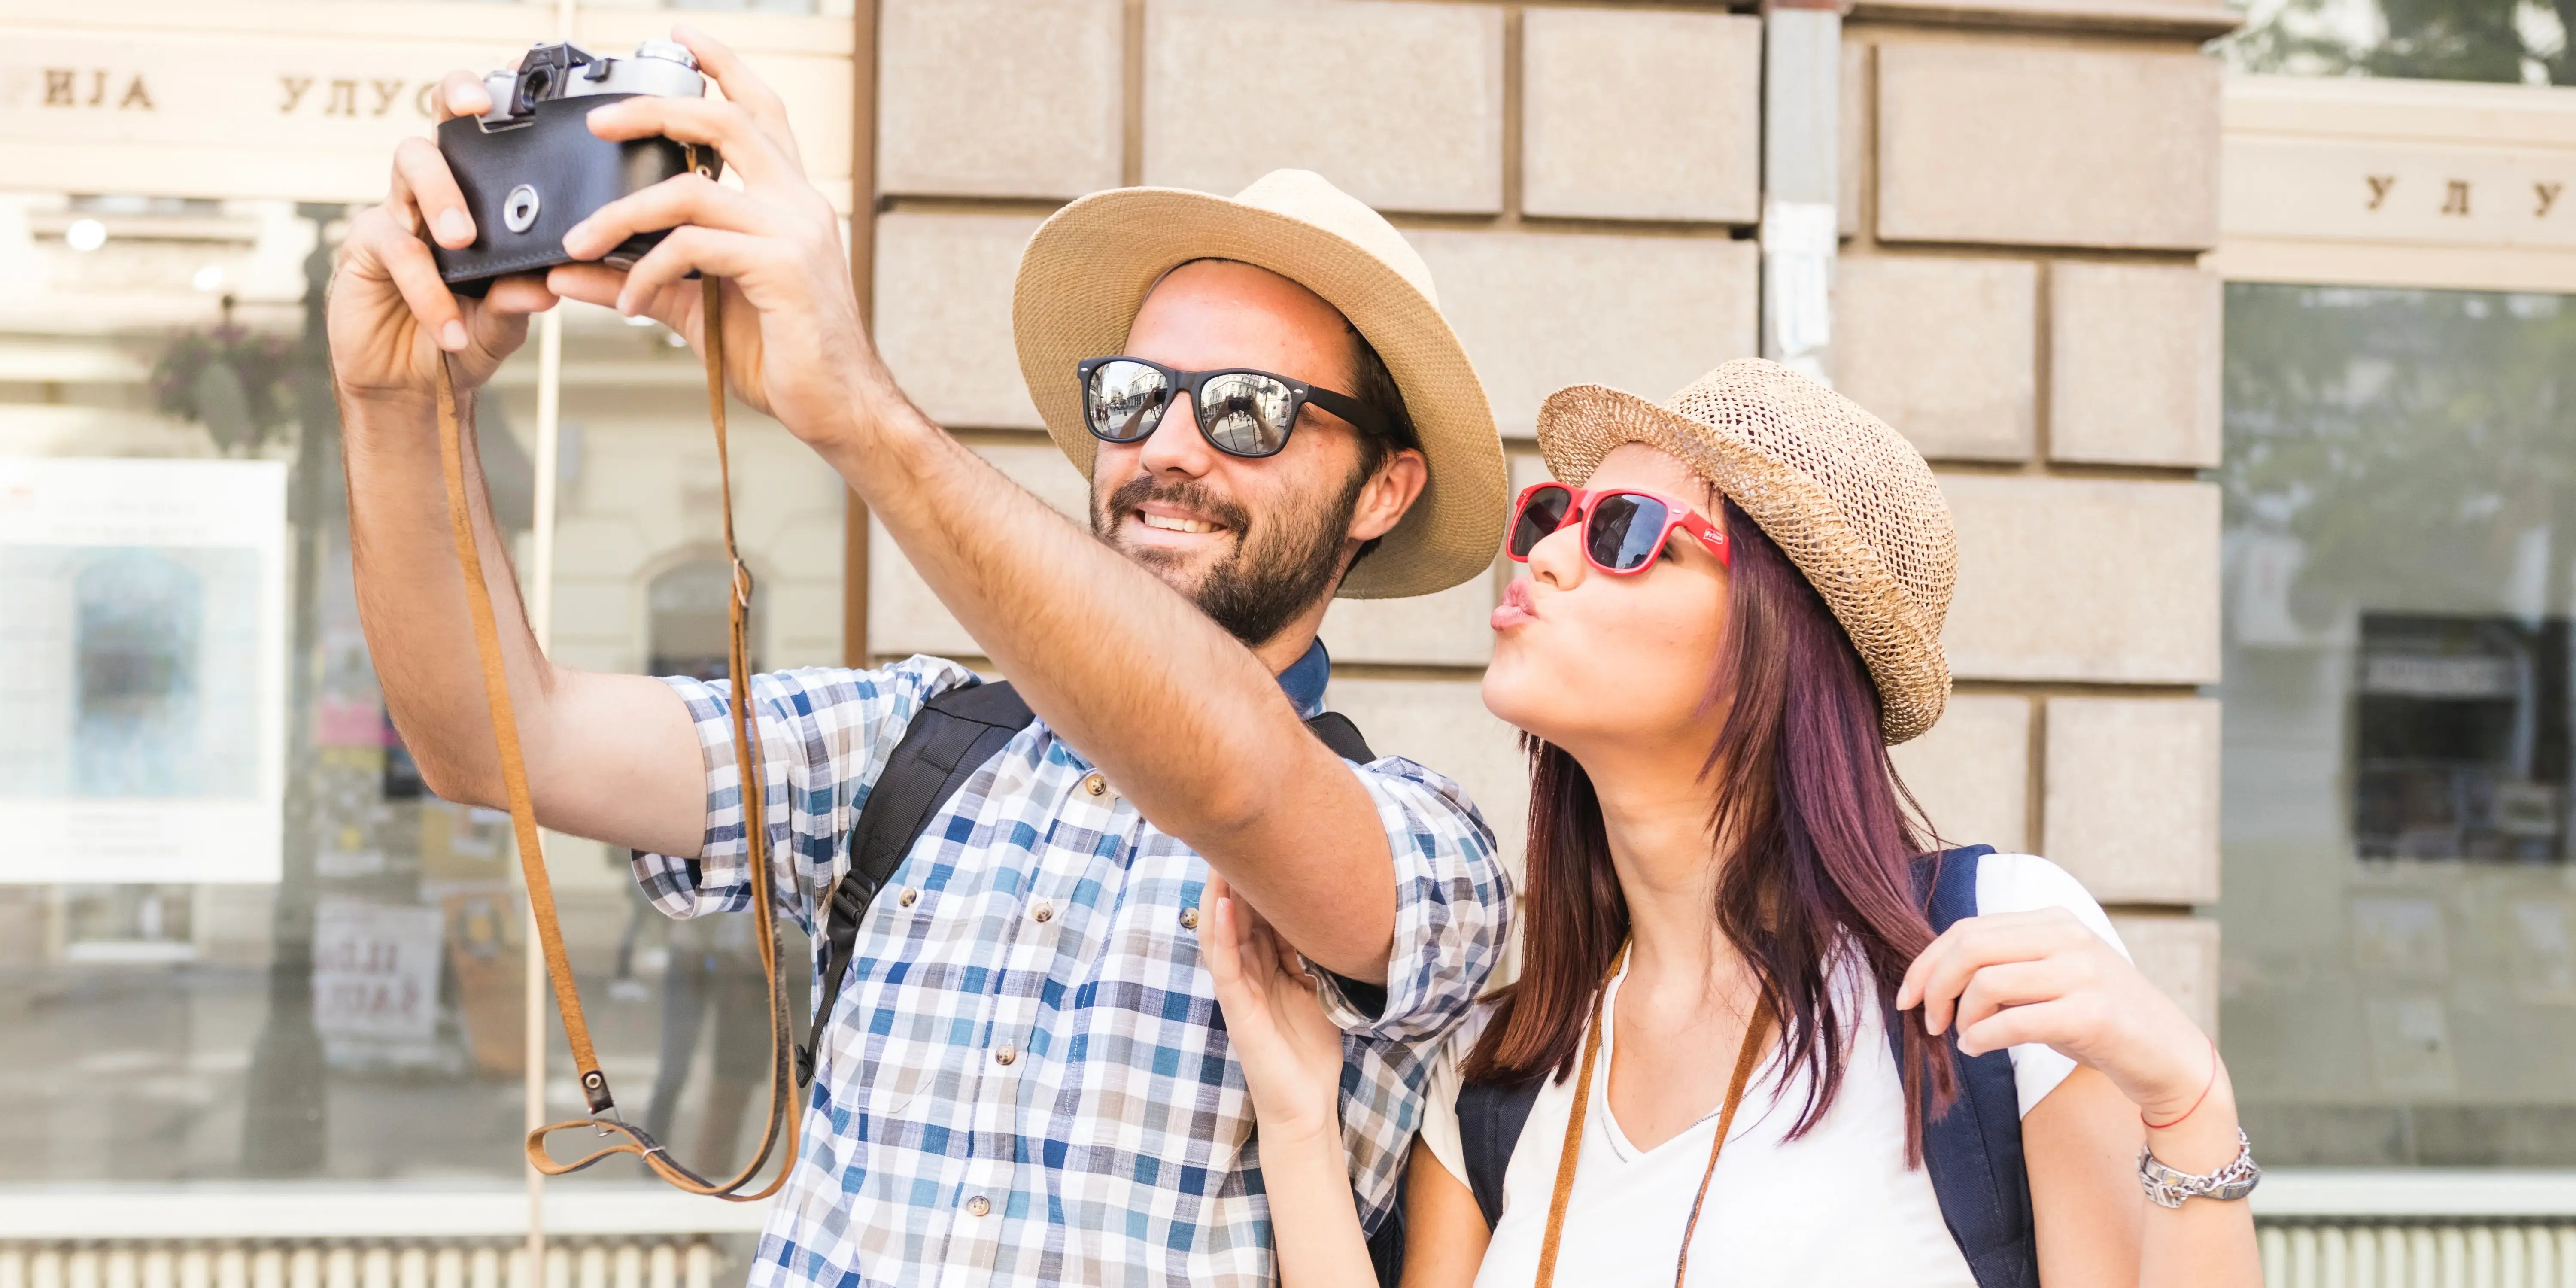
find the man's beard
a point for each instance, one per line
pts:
(1277, 569)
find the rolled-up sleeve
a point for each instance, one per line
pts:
(825, 735)
(1452, 907)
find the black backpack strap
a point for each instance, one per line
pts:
(1342, 736)
(1338, 733)
(1973, 1151)
(948, 740)
(1386, 1242)
(1490, 1118)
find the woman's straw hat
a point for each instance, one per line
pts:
(1086, 272)
(1848, 499)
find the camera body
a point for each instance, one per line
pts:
(530, 168)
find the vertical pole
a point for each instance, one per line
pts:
(1801, 151)
(286, 1105)
(863, 279)
(541, 618)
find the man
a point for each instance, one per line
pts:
(1024, 1078)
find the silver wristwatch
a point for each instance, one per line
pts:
(2169, 1187)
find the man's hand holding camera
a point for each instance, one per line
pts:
(391, 317)
(794, 347)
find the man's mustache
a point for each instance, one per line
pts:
(1184, 493)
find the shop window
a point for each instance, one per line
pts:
(291, 990)
(346, 1004)
(2398, 924)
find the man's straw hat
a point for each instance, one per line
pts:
(1844, 496)
(1086, 272)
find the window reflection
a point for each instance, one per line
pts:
(2399, 982)
(354, 1019)
(2460, 738)
(363, 1019)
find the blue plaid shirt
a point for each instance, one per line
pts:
(1025, 1079)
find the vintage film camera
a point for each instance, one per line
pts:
(530, 168)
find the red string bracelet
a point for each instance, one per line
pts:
(2195, 1104)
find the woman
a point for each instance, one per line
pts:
(1734, 605)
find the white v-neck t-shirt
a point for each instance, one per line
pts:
(1837, 1206)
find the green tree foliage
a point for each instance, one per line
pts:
(2420, 446)
(2510, 41)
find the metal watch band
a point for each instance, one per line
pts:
(2169, 1187)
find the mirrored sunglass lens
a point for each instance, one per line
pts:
(1542, 514)
(1624, 531)
(1245, 414)
(1125, 400)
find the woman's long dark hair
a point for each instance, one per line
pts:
(1823, 837)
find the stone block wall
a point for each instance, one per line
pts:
(2020, 295)
(2024, 205)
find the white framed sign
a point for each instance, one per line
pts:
(142, 669)
(375, 974)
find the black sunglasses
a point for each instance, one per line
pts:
(1241, 412)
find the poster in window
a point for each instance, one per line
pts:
(375, 982)
(142, 669)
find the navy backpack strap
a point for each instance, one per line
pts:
(948, 740)
(1973, 1151)
(1490, 1118)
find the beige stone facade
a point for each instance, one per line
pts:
(2020, 298)
(2024, 204)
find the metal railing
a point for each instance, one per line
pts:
(2447, 1254)
(681, 1262)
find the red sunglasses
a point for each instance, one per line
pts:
(1623, 528)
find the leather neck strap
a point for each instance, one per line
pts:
(1757, 1035)
(514, 777)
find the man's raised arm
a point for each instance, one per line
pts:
(1188, 724)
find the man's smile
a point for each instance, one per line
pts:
(1161, 523)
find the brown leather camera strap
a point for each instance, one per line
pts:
(514, 777)
(1757, 1034)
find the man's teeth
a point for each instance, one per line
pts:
(1176, 525)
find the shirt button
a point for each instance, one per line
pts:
(1006, 1055)
(1189, 918)
(1095, 785)
(978, 1206)
(909, 897)
(1044, 912)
